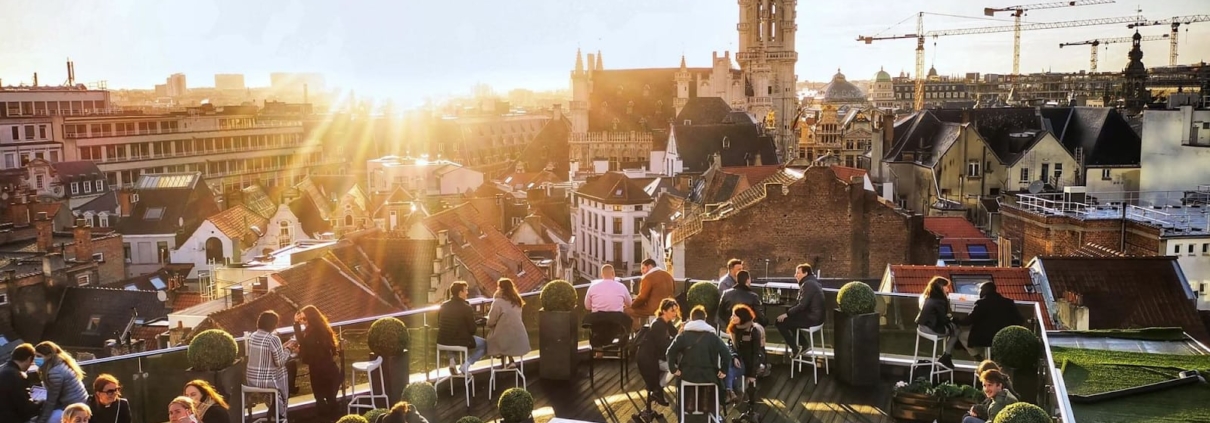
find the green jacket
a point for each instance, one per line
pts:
(993, 405)
(699, 355)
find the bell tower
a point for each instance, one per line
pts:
(767, 57)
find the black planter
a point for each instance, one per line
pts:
(856, 352)
(397, 371)
(558, 337)
(228, 382)
(1024, 382)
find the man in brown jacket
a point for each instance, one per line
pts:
(656, 285)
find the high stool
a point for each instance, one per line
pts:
(714, 415)
(369, 367)
(468, 381)
(273, 396)
(931, 363)
(518, 374)
(798, 360)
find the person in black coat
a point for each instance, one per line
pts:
(808, 312)
(655, 343)
(456, 327)
(316, 348)
(991, 313)
(106, 402)
(934, 318)
(742, 293)
(15, 402)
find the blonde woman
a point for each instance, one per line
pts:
(76, 413)
(182, 410)
(63, 379)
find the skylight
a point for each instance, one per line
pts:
(153, 213)
(158, 283)
(978, 252)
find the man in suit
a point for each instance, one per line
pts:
(992, 312)
(656, 285)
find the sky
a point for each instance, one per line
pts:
(408, 50)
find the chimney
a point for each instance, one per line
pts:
(48, 268)
(35, 79)
(10, 274)
(42, 225)
(557, 111)
(237, 295)
(125, 205)
(888, 133)
(20, 212)
(83, 236)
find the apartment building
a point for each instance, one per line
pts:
(27, 127)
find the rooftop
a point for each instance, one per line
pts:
(1176, 213)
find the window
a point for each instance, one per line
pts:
(972, 169)
(1058, 172)
(100, 185)
(1105, 175)
(617, 251)
(82, 280)
(1045, 172)
(94, 322)
(617, 225)
(98, 257)
(3, 299)
(1176, 248)
(29, 132)
(104, 220)
(38, 181)
(16, 133)
(1024, 174)
(977, 252)
(152, 213)
(126, 251)
(1190, 249)
(87, 187)
(42, 131)
(1205, 248)
(947, 252)
(10, 161)
(638, 252)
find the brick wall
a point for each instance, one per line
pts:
(114, 267)
(1035, 235)
(843, 230)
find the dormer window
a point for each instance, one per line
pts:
(100, 185)
(94, 324)
(153, 213)
(726, 143)
(618, 193)
(75, 188)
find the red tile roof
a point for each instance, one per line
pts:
(754, 174)
(1011, 282)
(847, 173)
(242, 318)
(185, 300)
(485, 252)
(237, 221)
(959, 234)
(523, 181)
(338, 295)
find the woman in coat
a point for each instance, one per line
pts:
(316, 348)
(63, 379)
(508, 337)
(208, 403)
(747, 345)
(934, 317)
(698, 355)
(107, 404)
(654, 346)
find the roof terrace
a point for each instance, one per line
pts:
(1176, 213)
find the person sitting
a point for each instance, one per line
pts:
(267, 358)
(808, 312)
(76, 413)
(208, 403)
(508, 337)
(997, 398)
(16, 404)
(652, 349)
(747, 347)
(698, 355)
(402, 412)
(605, 302)
(934, 318)
(107, 403)
(182, 410)
(742, 293)
(456, 327)
(986, 365)
(656, 285)
(992, 312)
(63, 378)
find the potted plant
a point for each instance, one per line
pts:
(352, 418)
(956, 401)
(1022, 412)
(372, 416)
(914, 401)
(558, 331)
(388, 338)
(214, 356)
(516, 406)
(423, 396)
(1017, 350)
(469, 419)
(703, 294)
(856, 335)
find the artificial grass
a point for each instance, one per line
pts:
(1087, 371)
(1145, 334)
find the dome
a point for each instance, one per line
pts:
(882, 76)
(932, 71)
(841, 91)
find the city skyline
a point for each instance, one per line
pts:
(402, 52)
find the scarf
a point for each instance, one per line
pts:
(205, 405)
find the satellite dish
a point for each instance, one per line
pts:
(161, 295)
(1036, 187)
(4, 196)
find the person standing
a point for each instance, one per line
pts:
(456, 327)
(934, 318)
(267, 359)
(317, 346)
(508, 336)
(106, 403)
(808, 312)
(15, 402)
(208, 403)
(656, 285)
(654, 345)
(728, 281)
(742, 293)
(63, 379)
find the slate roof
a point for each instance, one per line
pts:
(1011, 282)
(704, 111)
(923, 132)
(615, 188)
(155, 281)
(551, 232)
(1104, 134)
(550, 147)
(745, 143)
(486, 253)
(408, 263)
(959, 234)
(113, 308)
(666, 206)
(309, 216)
(106, 202)
(648, 93)
(1127, 292)
(71, 170)
(321, 283)
(165, 200)
(527, 180)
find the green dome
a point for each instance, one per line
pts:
(882, 76)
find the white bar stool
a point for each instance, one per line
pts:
(245, 390)
(468, 381)
(518, 374)
(798, 360)
(715, 415)
(369, 367)
(931, 363)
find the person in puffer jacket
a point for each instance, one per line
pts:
(63, 379)
(698, 355)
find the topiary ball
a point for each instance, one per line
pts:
(388, 337)
(469, 419)
(856, 298)
(212, 350)
(1022, 412)
(703, 294)
(373, 415)
(352, 418)
(516, 404)
(1015, 347)
(421, 395)
(559, 295)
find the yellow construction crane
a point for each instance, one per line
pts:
(1019, 11)
(1092, 64)
(920, 35)
(1175, 23)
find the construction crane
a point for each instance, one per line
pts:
(920, 35)
(1019, 11)
(1175, 23)
(1092, 64)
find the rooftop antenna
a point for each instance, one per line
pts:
(71, 72)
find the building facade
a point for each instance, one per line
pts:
(1176, 149)
(607, 221)
(421, 177)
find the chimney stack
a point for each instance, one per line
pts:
(237, 295)
(83, 237)
(125, 205)
(20, 213)
(35, 79)
(10, 274)
(42, 225)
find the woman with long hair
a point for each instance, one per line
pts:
(63, 379)
(182, 410)
(747, 343)
(316, 347)
(508, 337)
(107, 403)
(76, 413)
(934, 318)
(654, 344)
(208, 403)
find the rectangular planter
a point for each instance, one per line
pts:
(914, 407)
(954, 410)
(856, 354)
(558, 335)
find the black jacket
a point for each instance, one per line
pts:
(456, 324)
(991, 313)
(15, 405)
(935, 315)
(736, 296)
(314, 349)
(216, 414)
(118, 412)
(655, 343)
(809, 312)
(745, 345)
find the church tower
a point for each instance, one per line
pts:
(1134, 89)
(579, 94)
(767, 57)
(682, 87)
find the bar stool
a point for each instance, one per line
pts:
(247, 407)
(468, 381)
(931, 363)
(714, 415)
(798, 360)
(518, 374)
(369, 367)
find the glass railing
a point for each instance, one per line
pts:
(152, 379)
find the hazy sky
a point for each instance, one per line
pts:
(408, 49)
